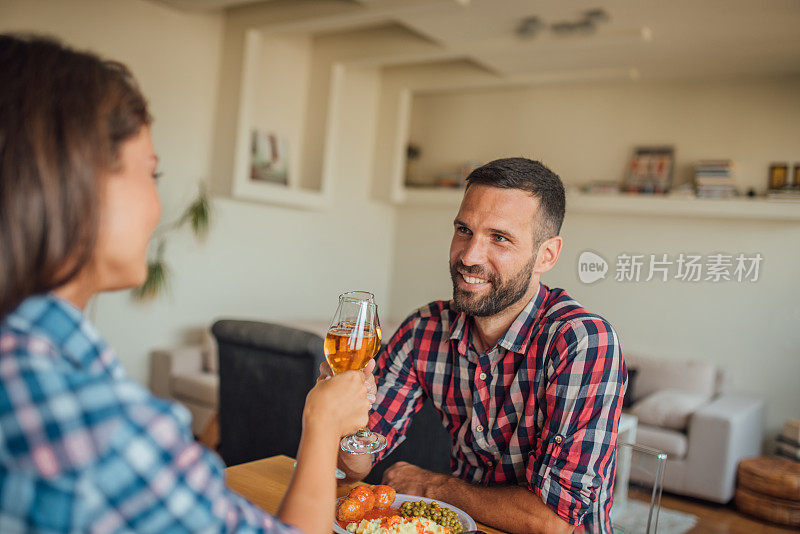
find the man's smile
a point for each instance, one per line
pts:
(472, 280)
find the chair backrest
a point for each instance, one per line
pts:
(642, 463)
(427, 444)
(265, 372)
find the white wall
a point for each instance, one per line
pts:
(175, 58)
(748, 328)
(586, 132)
(259, 261)
(283, 75)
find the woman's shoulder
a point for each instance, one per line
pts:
(58, 419)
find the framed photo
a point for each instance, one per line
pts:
(651, 170)
(269, 158)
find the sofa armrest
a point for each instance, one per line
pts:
(165, 363)
(729, 428)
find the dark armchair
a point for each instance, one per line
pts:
(265, 372)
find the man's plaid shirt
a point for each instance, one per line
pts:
(539, 409)
(85, 449)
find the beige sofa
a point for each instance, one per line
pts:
(685, 410)
(190, 376)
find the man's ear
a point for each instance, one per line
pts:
(547, 255)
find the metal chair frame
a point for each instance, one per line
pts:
(658, 482)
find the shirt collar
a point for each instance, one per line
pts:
(518, 335)
(66, 327)
(459, 332)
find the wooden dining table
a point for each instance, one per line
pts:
(264, 482)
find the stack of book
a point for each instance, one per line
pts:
(789, 440)
(714, 179)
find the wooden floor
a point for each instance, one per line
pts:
(718, 518)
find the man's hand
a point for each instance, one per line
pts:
(512, 509)
(407, 478)
(325, 372)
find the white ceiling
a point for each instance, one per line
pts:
(653, 38)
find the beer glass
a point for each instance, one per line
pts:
(353, 339)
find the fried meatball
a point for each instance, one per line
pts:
(364, 495)
(384, 495)
(349, 509)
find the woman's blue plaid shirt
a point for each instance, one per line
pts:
(85, 449)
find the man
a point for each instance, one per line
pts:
(527, 382)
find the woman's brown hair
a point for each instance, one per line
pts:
(63, 116)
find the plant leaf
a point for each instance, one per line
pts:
(198, 214)
(155, 283)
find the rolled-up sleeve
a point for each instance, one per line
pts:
(585, 383)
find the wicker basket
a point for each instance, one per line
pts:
(769, 508)
(772, 476)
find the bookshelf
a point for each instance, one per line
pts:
(666, 206)
(636, 205)
(737, 208)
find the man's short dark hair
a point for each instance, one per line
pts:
(534, 177)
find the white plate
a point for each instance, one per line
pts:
(466, 521)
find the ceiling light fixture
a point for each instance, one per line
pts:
(585, 25)
(596, 15)
(529, 27)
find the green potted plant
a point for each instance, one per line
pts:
(197, 216)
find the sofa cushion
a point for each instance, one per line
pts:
(655, 375)
(196, 387)
(669, 408)
(672, 442)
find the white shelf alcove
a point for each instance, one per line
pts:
(741, 209)
(274, 91)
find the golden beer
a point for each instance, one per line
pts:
(345, 351)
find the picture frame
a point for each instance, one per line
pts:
(650, 170)
(269, 158)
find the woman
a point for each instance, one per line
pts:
(82, 447)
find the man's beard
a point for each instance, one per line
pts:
(502, 295)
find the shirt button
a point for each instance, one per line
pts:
(482, 376)
(479, 428)
(558, 439)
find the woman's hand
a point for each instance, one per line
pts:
(334, 407)
(369, 379)
(338, 404)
